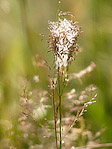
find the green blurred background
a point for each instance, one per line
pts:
(21, 22)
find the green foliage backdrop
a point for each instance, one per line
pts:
(21, 22)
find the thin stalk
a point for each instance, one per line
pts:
(59, 105)
(55, 120)
(60, 119)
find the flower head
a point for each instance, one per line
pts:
(63, 37)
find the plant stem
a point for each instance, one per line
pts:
(60, 119)
(59, 105)
(55, 120)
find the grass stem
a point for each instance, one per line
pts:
(60, 120)
(59, 83)
(55, 120)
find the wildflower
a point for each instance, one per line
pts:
(62, 40)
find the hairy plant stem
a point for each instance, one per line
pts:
(55, 120)
(59, 83)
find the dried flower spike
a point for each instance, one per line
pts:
(63, 41)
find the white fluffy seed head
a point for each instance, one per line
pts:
(63, 37)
